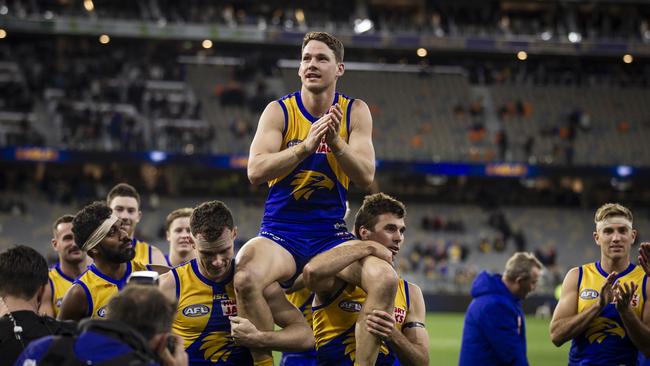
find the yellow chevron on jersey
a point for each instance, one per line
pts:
(334, 322)
(202, 317)
(297, 125)
(605, 339)
(99, 288)
(302, 299)
(59, 283)
(142, 251)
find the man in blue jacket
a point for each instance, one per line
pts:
(495, 331)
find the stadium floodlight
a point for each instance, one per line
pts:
(627, 58)
(206, 43)
(104, 39)
(574, 37)
(522, 55)
(4, 10)
(362, 25)
(88, 5)
(422, 52)
(546, 35)
(3, 33)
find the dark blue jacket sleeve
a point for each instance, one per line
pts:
(35, 351)
(502, 331)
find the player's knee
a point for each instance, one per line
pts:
(380, 275)
(245, 281)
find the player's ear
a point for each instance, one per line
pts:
(363, 232)
(340, 69)
(234, 232)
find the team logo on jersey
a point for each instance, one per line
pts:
(217, 347)
(307, 182)
(602, 328)
(101, 312)
(350, 306)
(589, 294)
(193, 311)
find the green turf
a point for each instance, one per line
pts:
(446, 329)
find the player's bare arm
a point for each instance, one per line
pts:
(295, 336)
(157, 257)
(74, 305)
(320, 273)
(357, 157)
(412, 343)
(167, 285)
(45, 308)
(637, 329)
(567, 323)
(266, 160)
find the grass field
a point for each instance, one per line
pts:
(445, 331)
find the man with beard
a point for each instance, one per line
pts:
(206, 316)
(72, 263)
(101, 236)
(124, 200)
(181, 245)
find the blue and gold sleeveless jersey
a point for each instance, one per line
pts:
(334, 324)
(142, 251)
(202, 317)
(605, 342)
(59, 283)
(99, 288)
(315, 191)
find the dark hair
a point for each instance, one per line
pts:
(210, 218)
(122, 190)
(178, 213)
(61, 220)
(373, 206)
(334, 44)
(144, 308)
(23, 271)
(89, 219)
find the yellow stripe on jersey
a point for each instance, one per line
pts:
(334, 322)
(297, 128)
(202, 317)
(142, 251)
(99, 288)
(60, 283)
(302, 300)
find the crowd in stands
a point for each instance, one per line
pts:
(550, 20)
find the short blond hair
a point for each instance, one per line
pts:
(612, 210)
(521, 265)
(181, 212)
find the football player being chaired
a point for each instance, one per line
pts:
(308, 147)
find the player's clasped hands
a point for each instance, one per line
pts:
(327, 127)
